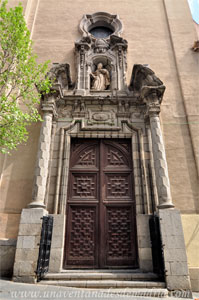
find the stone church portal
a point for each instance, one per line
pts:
(115, 191)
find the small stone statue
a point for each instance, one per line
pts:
(101, 78)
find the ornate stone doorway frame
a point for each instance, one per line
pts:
(143, 202)
(134, 116)
(142, 126)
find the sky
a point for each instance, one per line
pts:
(194, 6)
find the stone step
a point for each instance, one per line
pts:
(104, 284)
(108, 275)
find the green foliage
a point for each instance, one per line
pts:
(19, 76)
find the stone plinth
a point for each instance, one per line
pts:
(174, 251)
(28, 242)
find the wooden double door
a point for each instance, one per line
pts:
(100, 227)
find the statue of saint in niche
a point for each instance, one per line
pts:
(101, 78)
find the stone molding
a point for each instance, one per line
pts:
(88, 22)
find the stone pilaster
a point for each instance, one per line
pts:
(160, 163)
(43, 156)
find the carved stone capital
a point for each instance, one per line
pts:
(48, 106)
(118, 43)
(152, 97)
(152, 94)
(83, 45)
(153, 110)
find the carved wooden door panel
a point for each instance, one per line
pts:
(118, 236)
(83, 205)
(100, 227)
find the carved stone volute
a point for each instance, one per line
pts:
(143, 76)
(59, 74)
(148, 87)
(116, 42)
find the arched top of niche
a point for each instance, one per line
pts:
(111, 24)
(106, 61)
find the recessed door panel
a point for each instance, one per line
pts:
(81, 247)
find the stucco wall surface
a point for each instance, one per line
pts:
(191, 234)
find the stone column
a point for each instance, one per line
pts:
(28, 241)
(160, 163)
(161, 169)
(171, 230)
(43, 157)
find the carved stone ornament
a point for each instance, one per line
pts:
(149, 87)
(103, 19)
(100, 116)
(143, 76)
(101, 46)
(59, 74)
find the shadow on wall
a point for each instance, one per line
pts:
(18, 173)
(7, 256)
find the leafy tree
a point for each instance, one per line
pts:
(19, 76)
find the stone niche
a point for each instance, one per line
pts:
(101, 52)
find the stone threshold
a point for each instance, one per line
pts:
(106, 284)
